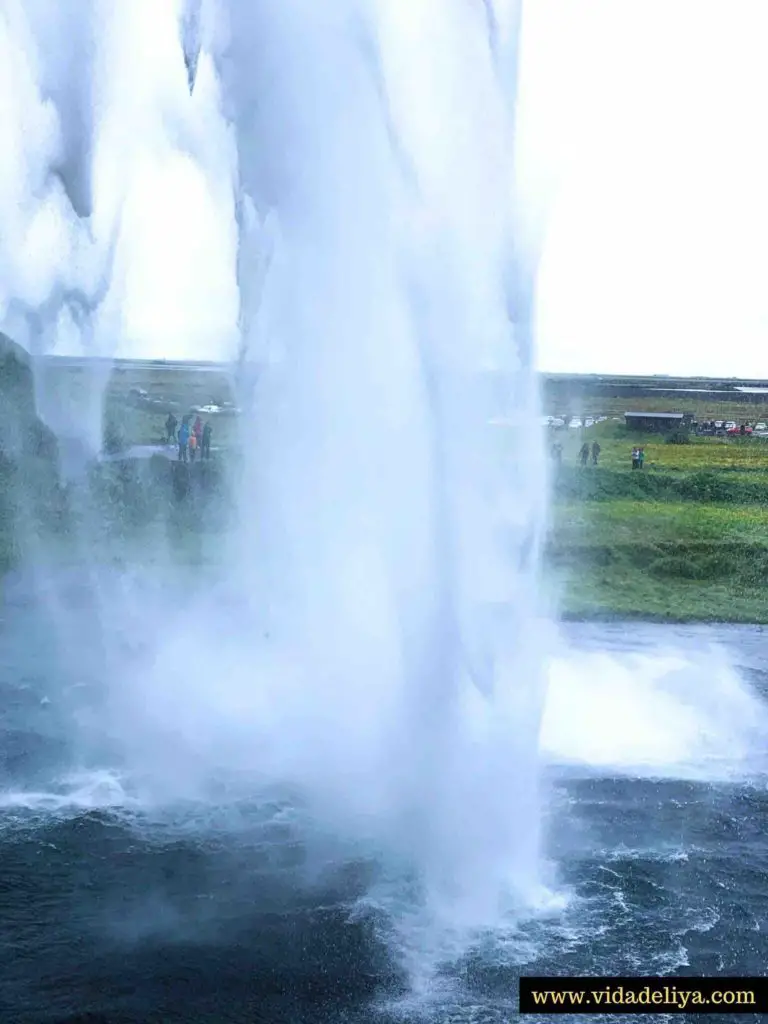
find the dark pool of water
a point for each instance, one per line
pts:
(114, 912)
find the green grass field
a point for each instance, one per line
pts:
(129, 425)
(181, 388)
(616, 593)
(685, 538)
(704, 406)
(616, 443)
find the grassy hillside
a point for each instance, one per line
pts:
(613, 397)
(616, 443)
(685, 538)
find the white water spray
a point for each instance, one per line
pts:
(55, 263)
(383, 655)
(394, 338)
(96, 125)
(387, 551)
(663, 711)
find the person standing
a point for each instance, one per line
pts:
(170, 428)
(205, 451)
(640, 458)
(192, 446)
(584, 454)
(595, 452)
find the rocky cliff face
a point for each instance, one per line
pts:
(22, 433)
(110, 502)
(31, 498)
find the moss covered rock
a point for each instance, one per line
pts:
(22, 433)
(31, 496)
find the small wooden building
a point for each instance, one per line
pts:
(658, 422)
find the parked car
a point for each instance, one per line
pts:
(212, 409)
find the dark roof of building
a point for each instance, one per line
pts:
(656, 415)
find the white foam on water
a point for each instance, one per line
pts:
(85, 791)
(670, 714)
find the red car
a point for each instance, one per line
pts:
(735, 431)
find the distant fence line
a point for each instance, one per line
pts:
(574, 390)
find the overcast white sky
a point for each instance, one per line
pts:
(645, 119)
(657, 253)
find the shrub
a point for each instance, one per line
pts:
(114, 441)
(575, 484)
(715, 487)
(679, 567)
(678, 437)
